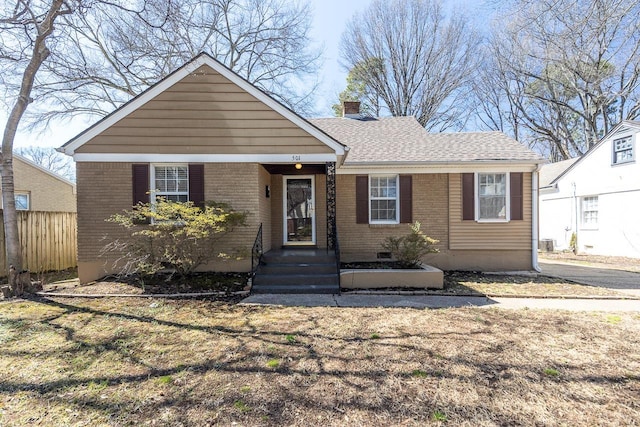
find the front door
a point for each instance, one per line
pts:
(299, 210)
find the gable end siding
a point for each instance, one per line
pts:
(210, 115)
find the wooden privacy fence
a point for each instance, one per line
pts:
(48, 241)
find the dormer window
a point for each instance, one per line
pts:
(622, 150)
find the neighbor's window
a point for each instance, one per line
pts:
(590, 211)
(171, 182)
(492, 200)
(383, 199)
(22, 201)
(622, 150)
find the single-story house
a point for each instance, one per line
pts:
(204, 133)
(595, 197)
(39, 189)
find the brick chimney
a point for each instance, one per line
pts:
(351, 109)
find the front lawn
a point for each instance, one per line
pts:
(165, 362)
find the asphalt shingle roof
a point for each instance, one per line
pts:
(551, 171)
(402, 139)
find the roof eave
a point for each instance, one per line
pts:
(612, 132)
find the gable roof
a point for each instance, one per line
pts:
(202, 59)
(549, 172)
(402, 140)
(623, 126)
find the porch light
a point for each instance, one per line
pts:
(298, 166)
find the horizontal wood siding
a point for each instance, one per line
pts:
(205, 114)
(514, 235)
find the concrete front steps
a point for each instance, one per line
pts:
(297, 271)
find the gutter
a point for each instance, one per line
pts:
(534, 219)
(344, 156)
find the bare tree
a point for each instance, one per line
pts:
(570, 68)
(50, 159)
(109, 57)
(418, 59)
(37, 22)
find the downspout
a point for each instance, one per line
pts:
(534, 220)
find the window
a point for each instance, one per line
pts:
(622, 150)
(22, 201)
(590, 211)
(383, 199)
(492, 201)
(171, 182)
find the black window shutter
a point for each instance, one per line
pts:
(468, 196)
(196, 184)
(406, 202)
(140, 179)
(362, 199)
(516, 196)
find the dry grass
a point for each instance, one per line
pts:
(458, 283)
(124, 362)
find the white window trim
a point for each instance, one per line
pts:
(613, 151)
(476, 197)
(152, 180)
(377, 221)
(583, 225)
(23, 193)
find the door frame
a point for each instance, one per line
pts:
(285, 235)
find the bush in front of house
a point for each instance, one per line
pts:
(409, 249)
(172, 235)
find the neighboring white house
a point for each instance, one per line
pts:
(596, 196)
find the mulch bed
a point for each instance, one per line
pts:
(228, 284)
(375, 265)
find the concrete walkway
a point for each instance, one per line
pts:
(603, 277)
(437, 301)
(609, 278)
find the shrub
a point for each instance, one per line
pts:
(176, 235)
(573, 243)
(409, 249)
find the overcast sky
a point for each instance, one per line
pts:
(330, 18)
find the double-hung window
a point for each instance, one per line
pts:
(622, 150)
(383, 199)
(590, 212)
(170, 182)
(492, 202)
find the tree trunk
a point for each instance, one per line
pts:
(10, 217)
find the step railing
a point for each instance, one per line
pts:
(256, 253)
(336, 249)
